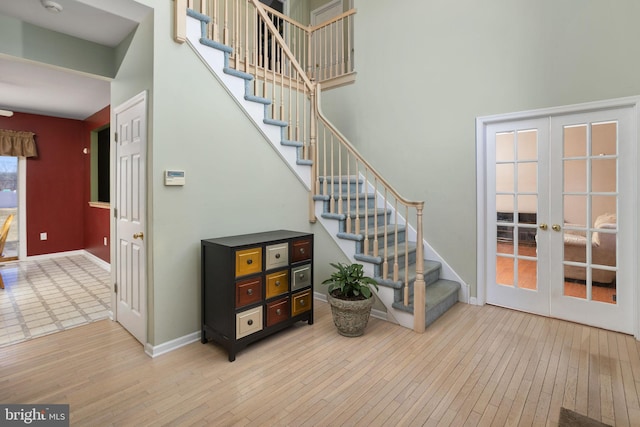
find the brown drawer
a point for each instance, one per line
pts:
(301, 250)
(277, 283)
(248, 322)
(277, 311)
(248, 261)
(277, 256)
(248, 291)
(301, 302)
(300, 277)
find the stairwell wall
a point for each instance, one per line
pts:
(235, 181)
(424, 76)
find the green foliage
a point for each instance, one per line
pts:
(350, 282)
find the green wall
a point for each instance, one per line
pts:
(235, 181)
(23, 40)
(424, 77)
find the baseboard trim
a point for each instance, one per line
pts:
(91, 257)
(157, 350)
(98, 261)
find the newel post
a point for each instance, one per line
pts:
(311, 155)
(419, 286)
(180, 21)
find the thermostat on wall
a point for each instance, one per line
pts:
(173, 177)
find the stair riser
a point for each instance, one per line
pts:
(344, 187)
(370, 221)
(401, 257)
(348, 206)
(390, 241)
(429, 279)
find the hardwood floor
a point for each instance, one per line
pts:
(474, 366)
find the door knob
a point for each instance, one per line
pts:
(543, 226)
(555, 227)
(139, 235)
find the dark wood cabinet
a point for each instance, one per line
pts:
(254, 285)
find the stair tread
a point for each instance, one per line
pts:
(350, 178)
(429, 267)
(390, 228)
(391, 252)
(435, 294)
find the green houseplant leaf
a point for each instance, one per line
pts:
(349, 282)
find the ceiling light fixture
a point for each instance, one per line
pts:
(51, 6)
(6, 113)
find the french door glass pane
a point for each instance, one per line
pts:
(517, 206)
(590, 167)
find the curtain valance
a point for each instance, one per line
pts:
(17, 143)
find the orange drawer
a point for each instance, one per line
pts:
(248, 261)
(248, 322)
(277, 283)
(248, 291)
(301, 302)
(277, 256)
(301, 250)
(277, 311)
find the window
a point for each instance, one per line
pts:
(100, 174)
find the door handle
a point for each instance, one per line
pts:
(139, 235)
(543, 226)
(555, 227)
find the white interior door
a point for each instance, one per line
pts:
(560, 220)
(518, 198)
(592, 220)
(130, 214)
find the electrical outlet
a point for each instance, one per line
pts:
(43, 236)
(105, 241)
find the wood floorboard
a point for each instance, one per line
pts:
(476, 366)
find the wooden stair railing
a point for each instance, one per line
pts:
(293, 100)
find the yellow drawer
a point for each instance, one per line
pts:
(277, 256)
(248, 322)
(277, 283)
(300, 277)
(248, 261)
(301, 302)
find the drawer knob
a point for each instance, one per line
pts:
(278, 312)
(277, 256)
(302, 250)
(249, 261)
(301, 275)
(250, 322)
(249, 291)
(302, 302)
(278, 283)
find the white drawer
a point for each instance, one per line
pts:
(277, 255)
(248, 322)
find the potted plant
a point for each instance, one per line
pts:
(350, 297)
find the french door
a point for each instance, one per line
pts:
(560, 216)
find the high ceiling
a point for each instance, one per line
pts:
(41, 89)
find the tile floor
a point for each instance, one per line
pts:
(50, 295)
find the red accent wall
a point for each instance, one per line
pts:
(59, 185)
(55, 182)
(97, 220)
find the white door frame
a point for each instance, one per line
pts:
(481, 180)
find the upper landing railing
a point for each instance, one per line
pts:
(324, 51)
(285, 59)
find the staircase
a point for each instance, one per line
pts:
(364, 222)
(441, 294)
